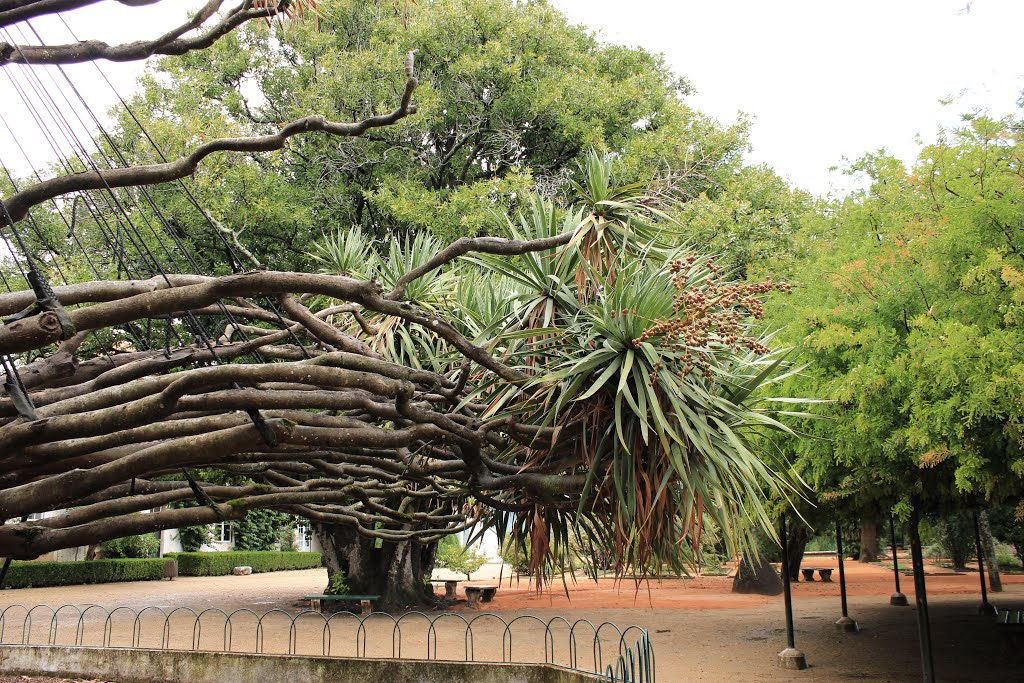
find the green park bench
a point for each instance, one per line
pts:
(365, 601)
(1010, 623)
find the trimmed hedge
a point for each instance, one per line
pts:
(221, 564)
(38, 574)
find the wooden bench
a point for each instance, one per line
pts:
(477, 594)
(365, 601)
(1010, 624)
(449, 586)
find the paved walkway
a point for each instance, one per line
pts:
(701, 631)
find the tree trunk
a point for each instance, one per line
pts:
(756, 575)
(868, 541)
(398, 572)
(995, 584)
(799, 535)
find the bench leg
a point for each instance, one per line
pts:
(365, 607)
(449, 589)
(315, 604)
(473, 599)
(487, 596)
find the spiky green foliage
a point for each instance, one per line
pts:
(656, 375)
(642, 360)
(344, 252)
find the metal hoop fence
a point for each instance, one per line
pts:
(614, 654)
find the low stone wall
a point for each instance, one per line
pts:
(174, 666)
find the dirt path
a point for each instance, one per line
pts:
(701, 631)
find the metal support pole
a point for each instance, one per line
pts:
(897, 599)
(845, 623)
(790, 658)
(985, 607)
(924, 630)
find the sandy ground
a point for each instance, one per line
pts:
(701, 631)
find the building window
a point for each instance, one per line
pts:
(222, 532)
(303, 535)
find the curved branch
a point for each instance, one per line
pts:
(28, 541)
(170, 43)
(328, 334)
(486, 245)
(65, 488)
(98, 291)
(19, 203)
(38, 331)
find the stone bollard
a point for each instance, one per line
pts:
(241, 571)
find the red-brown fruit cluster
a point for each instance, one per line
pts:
(710, 316)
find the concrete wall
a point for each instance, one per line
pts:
(149, 666)
(170, 542)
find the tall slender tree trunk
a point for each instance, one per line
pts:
(988, 545)
(868, 541)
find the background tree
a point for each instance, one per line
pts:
(904, 311)
(259, 529)
(1007, 528)
(511, 99)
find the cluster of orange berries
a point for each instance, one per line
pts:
(709, 317)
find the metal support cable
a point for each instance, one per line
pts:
(140, 243)
(69, 136)
(236, 261)
(254, 415)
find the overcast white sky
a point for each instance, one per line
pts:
(823, 79)
(826, 79)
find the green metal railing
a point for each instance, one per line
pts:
(613, 654)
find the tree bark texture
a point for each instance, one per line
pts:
(995, 584)
(799, 535)
(398, 572)
(868, 541)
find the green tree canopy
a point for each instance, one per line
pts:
(907, 313)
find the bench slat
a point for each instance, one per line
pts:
(1012, 617)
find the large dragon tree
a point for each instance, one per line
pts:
(579, 374)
